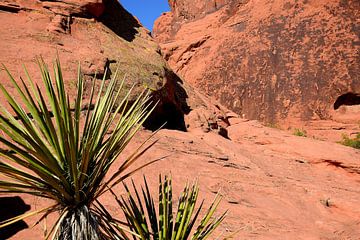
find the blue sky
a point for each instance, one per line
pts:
(146, 10)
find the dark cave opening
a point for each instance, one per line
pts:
(168, 114)
(172, 105)
(347, 99)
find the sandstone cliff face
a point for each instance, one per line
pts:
(270, 60)
(99, 34)
(275, 185)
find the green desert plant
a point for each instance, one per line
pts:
(300, 132)
(54, 153)
(351, 142)
(273, 125)
(146, 223)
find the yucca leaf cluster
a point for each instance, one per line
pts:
(57, 150)
(147, 223)
(61, 147)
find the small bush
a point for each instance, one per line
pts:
(351, 142)
(273, 125)
(300, 132)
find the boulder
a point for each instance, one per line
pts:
(100, 34)
(274, 61)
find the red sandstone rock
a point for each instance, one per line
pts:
(100, 34)
(84, 8)
(275, 185)
(276, 61)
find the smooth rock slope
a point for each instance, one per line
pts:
(275, 185)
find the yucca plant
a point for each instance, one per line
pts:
(50, 150)
(146, 223)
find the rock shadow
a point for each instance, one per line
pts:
(119, 20)
(172, 107)
(347, 99)
(11, 207)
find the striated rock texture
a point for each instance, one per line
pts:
(274, 185)
(272, 60)
(99, 34)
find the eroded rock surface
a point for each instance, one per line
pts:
(272, 61)
(274, 185)
(99, 34)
